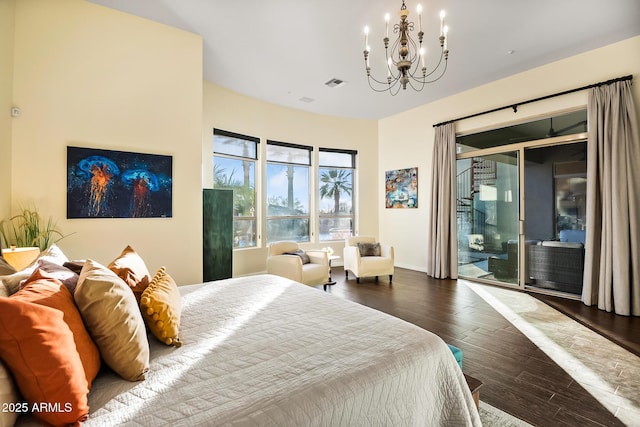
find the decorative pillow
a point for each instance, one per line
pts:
(303, 256)
(3, 293)
(161, 308)
(52, 270)
(45, 345)
(130, 267)
(12, 281)
(369, 249)
(54, 254)
(75, 266)
(8, 396)
(112, 316)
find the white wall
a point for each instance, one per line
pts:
(402, 146)
(237, 113)
(89, 76)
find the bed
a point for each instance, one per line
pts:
(267, 351)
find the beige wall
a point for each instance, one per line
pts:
(233, 112)
(89, 76)
(402, 146)
(7, 15)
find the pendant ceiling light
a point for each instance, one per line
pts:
(405, 58)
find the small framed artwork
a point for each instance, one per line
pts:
(118, 184)
(401, 188)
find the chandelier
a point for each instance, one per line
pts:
(405, 59)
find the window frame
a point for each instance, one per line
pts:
(309, 166)
(352, 169)
(256, 205)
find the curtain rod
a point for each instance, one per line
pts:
(515, 106)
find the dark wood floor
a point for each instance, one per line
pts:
(518, 377)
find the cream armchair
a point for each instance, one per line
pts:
(314, 273)
(367, 266)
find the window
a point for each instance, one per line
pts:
(287, 191)
(335, 193)
(234, 168)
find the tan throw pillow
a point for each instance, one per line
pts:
(9, 396)
(112, 316)
(161, 308)
(130, 267)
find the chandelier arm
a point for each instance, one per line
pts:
(441, 74)
(435, 79)
(383, 82)
(387, 86)
(423, 79)
(442, 55)
(416, 88)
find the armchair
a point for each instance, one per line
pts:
(281, 263)
(367, 266)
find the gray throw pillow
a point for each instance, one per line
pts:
(303, 256)
(369, 249)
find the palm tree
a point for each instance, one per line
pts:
(334, 182)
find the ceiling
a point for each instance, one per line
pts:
(284, 51)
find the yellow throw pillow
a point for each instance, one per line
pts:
(112, 316)
(161, 308)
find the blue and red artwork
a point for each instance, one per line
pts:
(118, 184)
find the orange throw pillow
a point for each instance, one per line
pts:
(130, 267)
(50, 356)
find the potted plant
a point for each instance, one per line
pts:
(29, 229)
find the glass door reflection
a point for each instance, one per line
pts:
(488, 217)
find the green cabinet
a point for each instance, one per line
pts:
(217, 234)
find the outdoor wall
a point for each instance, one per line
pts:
(90, 76)
(402, 146)
(7, 17)
(237, 113)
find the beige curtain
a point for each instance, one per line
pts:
(612, 258)
(442, 250)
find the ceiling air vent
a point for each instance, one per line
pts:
(335, 83)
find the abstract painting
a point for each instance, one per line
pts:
(118, 184)
(401, 188)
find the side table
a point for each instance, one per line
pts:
(331, 281)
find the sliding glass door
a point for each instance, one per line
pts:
(555, 199)
(488, 216)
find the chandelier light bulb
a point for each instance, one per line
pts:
(366, 38)
(386, 21)
(442, 15)
(445, 31)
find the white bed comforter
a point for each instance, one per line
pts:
(266, 351)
